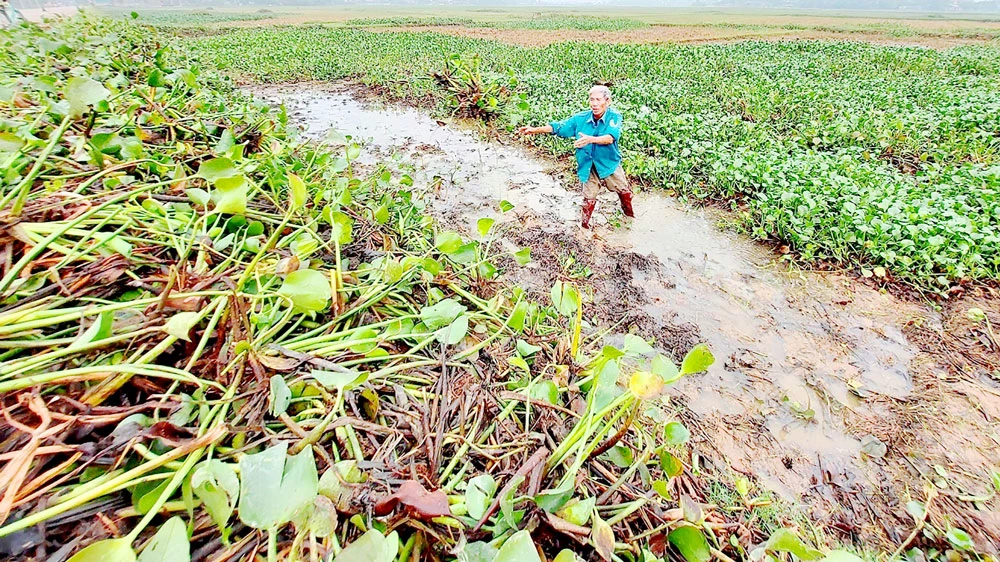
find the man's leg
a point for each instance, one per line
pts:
(591, 189)
(618, 183)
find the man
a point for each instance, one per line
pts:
(597, 156)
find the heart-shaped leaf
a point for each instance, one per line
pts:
(697, 360)
(169, 544)
(226, 142)
(308, 289)
(546, 391)
(565, 298)
(691, 543)
(275, 487)
(454, 332)
(218, 168)
(645, 385)
(198, 196)
(341, 227)
(322, 519)
(578, 512)
(671, 465)
(100, 329)
(108, 550)
(217, 486)
(636, 346)
(297, 192)
(336, 482)
(479, 494)
(341, 380)
(566, 555)
(662, 488)
(554, 499)
(132, 149)
(523, 256)
(603, 538)
(666, 369)
(230, 195)
(156, 78)
(83, 92)
(479, 551)
(363, 336)
(484, 225)
(518, 548)
(525, 349)
(676, 434)
(518, 316)
(976, 315)
(487, 270)
(448, 242)
(516, 361)
(960, 539)
(621, 456)
(180, 324)
(371, 547)
(465, 254)
(441, 314)
(784, 540)
(606, 387)
(280, 395)
(9, 142)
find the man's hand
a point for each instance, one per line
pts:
(526, 130)
(583, 141)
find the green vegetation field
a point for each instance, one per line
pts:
(586, 23)
(871, 156)
(188, 18)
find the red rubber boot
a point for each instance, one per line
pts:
(626, 200)
(588, 209)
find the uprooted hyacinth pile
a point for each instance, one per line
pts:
(217, 342)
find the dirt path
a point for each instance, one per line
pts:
(836, 396)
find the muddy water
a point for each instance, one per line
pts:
(800, 356)
(467, 174)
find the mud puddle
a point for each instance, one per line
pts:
(810, 367)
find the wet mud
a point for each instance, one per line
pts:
(838, 397)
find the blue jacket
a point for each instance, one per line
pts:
(604, 157)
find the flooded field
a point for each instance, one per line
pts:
(818, 392)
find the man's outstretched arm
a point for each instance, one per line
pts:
(544, 129)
